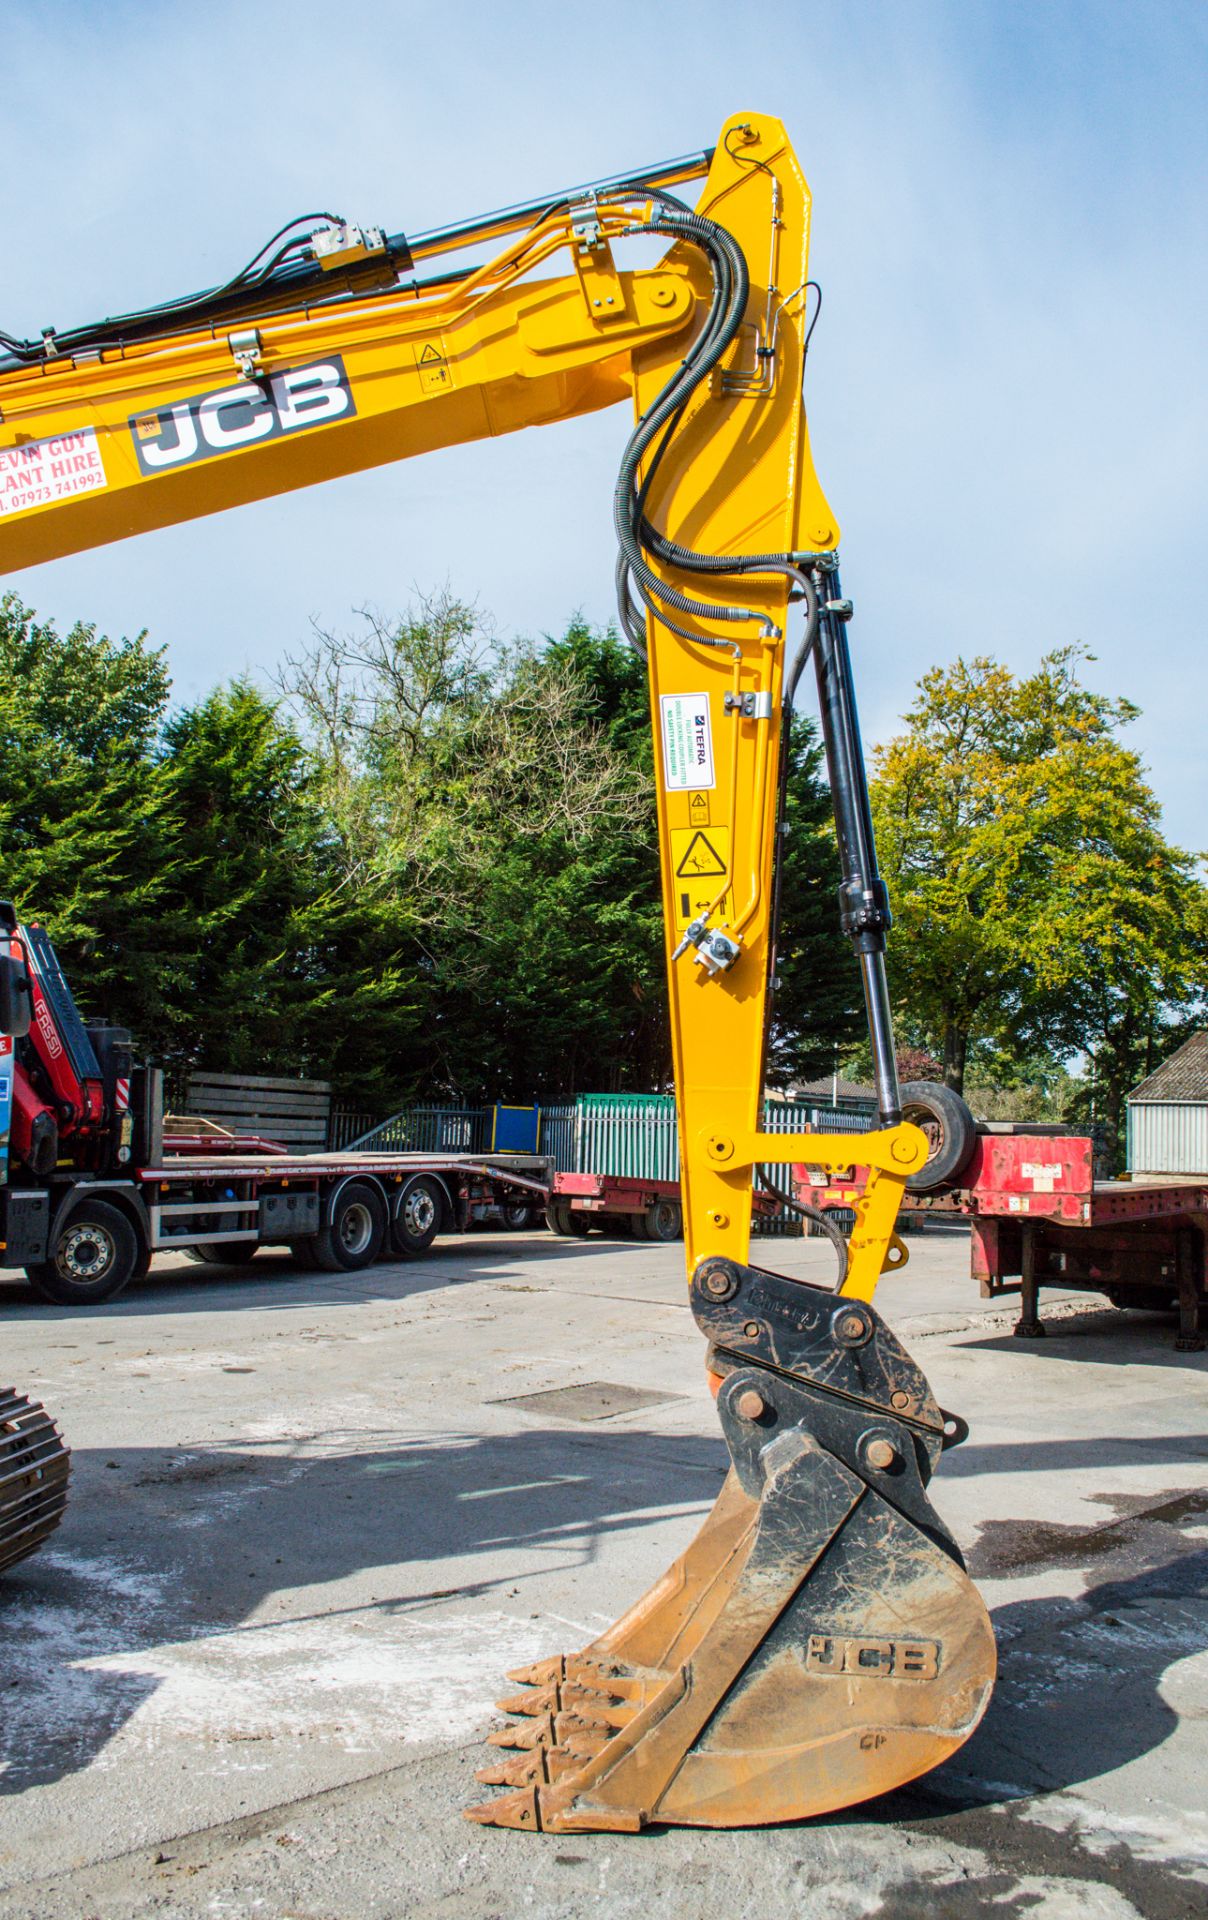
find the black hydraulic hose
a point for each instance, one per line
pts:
(787, 701)
(731, 288)
(817, 1218)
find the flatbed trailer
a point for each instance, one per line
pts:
(82, 1237)
(1039, 1218)
(648, 1209)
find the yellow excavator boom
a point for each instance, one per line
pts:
(819, 1642)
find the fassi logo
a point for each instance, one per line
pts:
(243, 415)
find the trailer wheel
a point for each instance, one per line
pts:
(557, 1219)
(663, 1220)
(417, 1219)
(517, 1218)
(1142, 1299)
(96, 1254)
(224, 1253)
(353, 1236)
(950, 1128)
(578, 1225)
(638, 1227)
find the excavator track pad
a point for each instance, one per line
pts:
(34, 1468)
(818, 1643)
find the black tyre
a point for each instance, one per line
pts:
(950, 1128)
(224, 1253)
(355, 1230)
(1142, 1299)
(517, 1219)
(557, 1219)
(303, 1255)
(637, 1226)
(664, 1220)
(578, 1225)
(417, 1218)
(96, 1254)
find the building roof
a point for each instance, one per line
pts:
(823, 1092)
(1183, 1077)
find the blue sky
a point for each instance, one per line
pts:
(1008, 401)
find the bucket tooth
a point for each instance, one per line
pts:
(541, 1672)
(534, 1700)
(526, 1770)
(518, 1809)
(606, 1695)
(524, 1734)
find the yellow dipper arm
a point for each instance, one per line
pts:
(819, 1641)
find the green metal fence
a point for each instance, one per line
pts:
(424, 1129)
(634, 1136)
(630, 1135)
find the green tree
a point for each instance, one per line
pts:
(1039, 908)
(818, 1010)
(817, 1007)
(503, 796)
(81, 818)
(471, 795)
(272, 959)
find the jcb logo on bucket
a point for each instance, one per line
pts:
(873, 1659)
(232, 418)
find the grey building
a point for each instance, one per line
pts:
(1168, 1114)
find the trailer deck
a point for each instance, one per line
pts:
(1038, 1218)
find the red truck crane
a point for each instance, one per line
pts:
(89, 1191)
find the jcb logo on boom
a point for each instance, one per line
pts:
(242, 415)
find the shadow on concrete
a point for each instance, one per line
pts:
(975, 1458)
(272, 1279)
(1108, 1335)
(161, 1546)
(1078, 1689)
(164, 1546)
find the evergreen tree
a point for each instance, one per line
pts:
(270, 963)
(82, 846)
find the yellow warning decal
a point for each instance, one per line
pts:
(433, 364)
(698, 809)
(700, 861)
(701, 856)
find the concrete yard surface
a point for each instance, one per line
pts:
(316, 1518)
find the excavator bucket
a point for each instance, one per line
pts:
(818, 1643)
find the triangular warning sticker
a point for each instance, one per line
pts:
(430, 356)
(698, 809)
(701, 859)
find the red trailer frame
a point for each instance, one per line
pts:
(578, 1197)
(1040, 1218)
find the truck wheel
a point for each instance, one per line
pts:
(557, 1219)
(353, 1236)
(224, 1253)
(637, 1227)
(96, 1255)
(517, 1218)
(664, 1220)
(578, 1225)
(950, 1128)
(302, 1253)
(416, 1219)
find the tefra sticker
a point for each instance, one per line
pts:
(687, 742)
